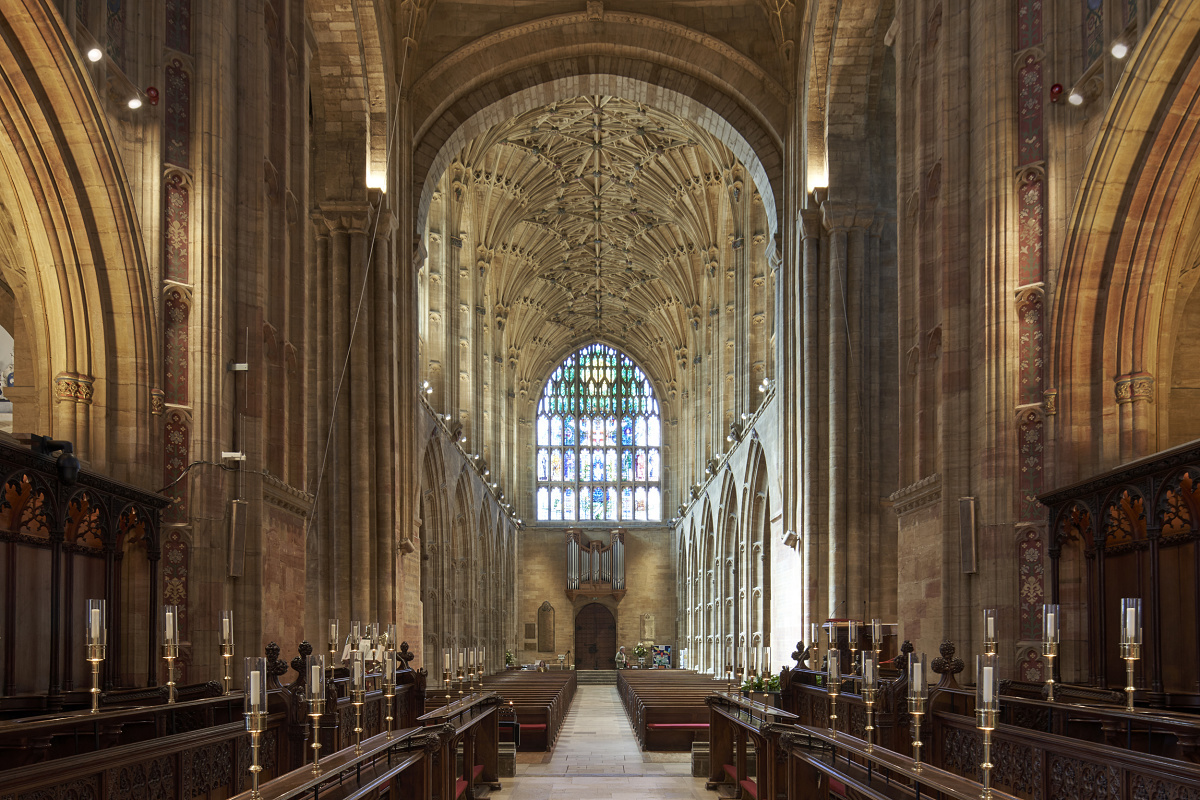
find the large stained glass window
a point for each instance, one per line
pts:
(599, 441)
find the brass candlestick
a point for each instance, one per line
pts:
(869, 699)
(462, 678)
(916, 707)
(95, 638)
(918, 693)
(315, 695)
(256, 724)
(170, 653)
(446, 683)
(987, 704)
(869, 685)
(1049, 652)
(170, 630)
(1131, 641)
(389, 685)
(254, 706)
(1131, 652)
(1050, 620)
(95, 656)
(359, 698)
(227, 660)
(834, 676)
(852, 641)
(315, 709)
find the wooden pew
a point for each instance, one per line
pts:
(538, 700)
(666, 708)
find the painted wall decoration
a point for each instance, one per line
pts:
(1032, 559)
(177, 119)
(179, 25)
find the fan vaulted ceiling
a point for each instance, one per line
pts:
(597, 218)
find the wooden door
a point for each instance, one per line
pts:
(595, 638)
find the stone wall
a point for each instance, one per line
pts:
(541, 577)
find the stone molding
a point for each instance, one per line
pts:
(916, 496)
(561, 21)
(286, 497)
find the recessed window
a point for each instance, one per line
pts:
(599, 441)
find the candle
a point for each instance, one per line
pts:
(315, 677)
(170, 627)
(333, 637)
(814, 633)
(447, 661)
(358, 673)
(255, 685)
(876, 634)
(987, 684)
(225, 632)
(462, 658)
(1130, 623)
(95, 624)
(991, 627)
(1051, 626)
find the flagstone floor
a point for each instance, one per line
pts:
(597, 758)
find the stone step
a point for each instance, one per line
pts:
(596, 677)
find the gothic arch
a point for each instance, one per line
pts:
(1132, 237)
(71, 252)
(757, 519)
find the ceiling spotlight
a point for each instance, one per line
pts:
(1075, 98)
(95, 54)
(135, 102)
(1120, 48)
(426, 387)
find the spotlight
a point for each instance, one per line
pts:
(1075, 98)
(135, 102)
(1120, 48)
(95, 54)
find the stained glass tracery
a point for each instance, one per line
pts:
(598, 413)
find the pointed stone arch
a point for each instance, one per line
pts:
(1132, 240)
(71, 252)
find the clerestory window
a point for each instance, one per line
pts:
(599, 441)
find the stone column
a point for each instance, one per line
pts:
(811, 528)
(837, 401)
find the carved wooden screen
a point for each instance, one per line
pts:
(1136, 531)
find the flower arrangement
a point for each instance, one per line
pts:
(509, 658)
(771, 684)
(639, 650)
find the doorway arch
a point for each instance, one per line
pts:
(595, 637)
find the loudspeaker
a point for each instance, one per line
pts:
(966, 533)
(237, 538)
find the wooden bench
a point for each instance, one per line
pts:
(666, 708)
(538, 701)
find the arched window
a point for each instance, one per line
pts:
(599, 437)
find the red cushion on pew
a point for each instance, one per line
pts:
(654, 726)
(477, 771)
(750, 787)
(731, 770)
(533, 726)
(460, 786)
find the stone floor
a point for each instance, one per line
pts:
(597, 758)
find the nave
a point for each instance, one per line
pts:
(597, 758)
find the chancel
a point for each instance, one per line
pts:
(732, 398)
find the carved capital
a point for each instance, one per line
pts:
(72, 387)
